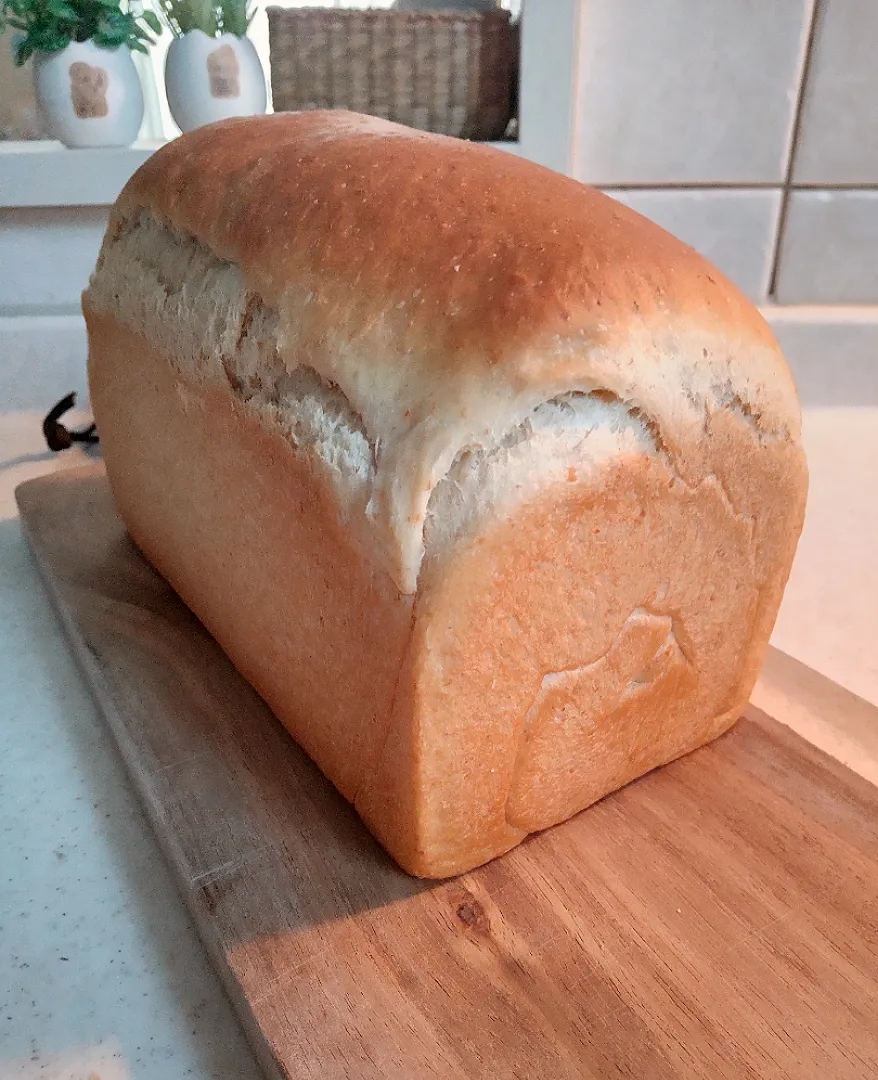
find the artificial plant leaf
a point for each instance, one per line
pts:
(63, 11)
(54, 42)
(110, 39)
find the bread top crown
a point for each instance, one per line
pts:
(448, 291)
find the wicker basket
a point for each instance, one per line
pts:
(444, 72)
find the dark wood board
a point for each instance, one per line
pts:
(718, 918)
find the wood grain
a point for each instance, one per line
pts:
(718, 918)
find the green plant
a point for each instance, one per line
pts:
(212, 17)
(48, 26)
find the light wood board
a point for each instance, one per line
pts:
(718, 918)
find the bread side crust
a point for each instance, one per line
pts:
(250, 535)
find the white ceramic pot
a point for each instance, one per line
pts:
(208, 79)
(88, 96)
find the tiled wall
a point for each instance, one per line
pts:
(747, 127)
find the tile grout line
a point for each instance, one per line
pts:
(786, 191)
(688, 185)
(732, 185)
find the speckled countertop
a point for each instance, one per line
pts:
(101, 972)
(102, 976)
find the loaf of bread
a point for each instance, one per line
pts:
(488, 485)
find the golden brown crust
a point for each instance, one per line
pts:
(511, 251)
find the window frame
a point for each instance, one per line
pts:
(548, 74)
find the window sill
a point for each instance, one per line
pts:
(44, 173)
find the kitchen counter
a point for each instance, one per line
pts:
(102, 976)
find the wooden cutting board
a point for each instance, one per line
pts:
(718, 918)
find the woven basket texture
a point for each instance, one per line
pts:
(446, 72)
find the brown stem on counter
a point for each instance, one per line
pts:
(57, 436)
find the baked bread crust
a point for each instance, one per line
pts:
(487, 484)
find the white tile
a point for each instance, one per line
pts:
(47, 256)
(829, 249)
(838, 137)
(688, 90)
(736, 230)
(832, 353)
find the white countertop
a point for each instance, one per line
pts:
(102, 976)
